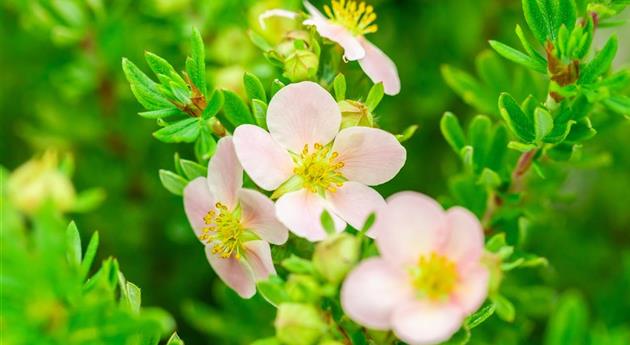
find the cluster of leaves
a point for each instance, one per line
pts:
(49, 295)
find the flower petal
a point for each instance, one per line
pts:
(372, 291)
(352, 48)
(259, 216)
(225, 174)
(354, 202)
(418, 323)
(276, 12)
(370, 155)
(313, 11)
(234, 272)
(472, 290)
(197, 203)
(301, 211)
(303, 114)
(380, 68)
(465, 240)
(266, 162)
(411, 225)
(258, 256)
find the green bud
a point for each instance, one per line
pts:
(301, 65)
(302, 288)
(299, 324)
(287, 46)
(355, 113)
(335, 257)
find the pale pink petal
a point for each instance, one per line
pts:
(300, 211)
(235, 273)
(380, 68)
(471, 291)
(354, 202)
(258, 256)
(372, 291)
(303, 113)
(197, 203)
(370, 155)
(352, 48)
(225, 174)
(411, 225)
(313, 11)
(465, 240)
(259, 216)
(419, 323)
(266, 162)
(276, 12)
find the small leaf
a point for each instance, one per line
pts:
(161, 113)
(259, 41)
(88, 200)
(407, 133)
(619, 104)
(90, 253)
(504, 308)
(520, 124)
(600, 63)
(174, 340)
(134, 297)
(521, 147)
(73, 245)
(339, 84)
(569, 322)
(197, 67)
(260, 113)
(145, 89)
(496, 242)
(543, 123)
(254, 87)
(186, 130)
(158, 64)
(518, 57)
(236, 110)
(452, 132)
(469, 89)
(172, 182)
(539, 16)
(296, 264)
(374, 96)
(214, 105)
(276, 85)
(205, 144)
(192, 169)
(479, 137)
(273, 290)
(327, 222)
(489, 179)
(480, 315)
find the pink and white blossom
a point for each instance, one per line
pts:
(429, 276)
(313, 166)
(236, 225)
(347, 23)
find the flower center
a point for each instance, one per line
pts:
(224, 230)
(434, 277)
(357, 17)
(319, 169)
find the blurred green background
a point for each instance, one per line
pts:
(62, 87)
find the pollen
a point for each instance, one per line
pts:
(319, 169)
(224, 231)
(357, 17)
(434, 277)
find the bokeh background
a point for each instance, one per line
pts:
(62, 87)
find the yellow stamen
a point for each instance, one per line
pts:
(319, 169)
(224, 231)
(434, 277)
(357, 17)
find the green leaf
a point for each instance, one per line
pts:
(519, 123)
(260, 112)
(544, 17)
(504, 308)
(296, 264)
(569, 322)
(134, 297)
(498, 148)
(197, 66)
(236, 110)
(521, 147)
(73, 245)
(496, 242)
(339, 84)
(175, 340)
(145, 89)
(374, 96)
(528, 48)
(186, 130)
(469, 89)
(407, 133)
(214, 105)
(161, 113)
(489, 179)
(581, 131)
(172, 182)
(90, 253)
(276, 85)
(479, 137)
(518, 57)
(205, 144)
(192, 169)
(543, 123)
(480, 315)
(273, 290)
(88, 200)
(600, 63)
(259, 41)
(254, 87)
(561, 125)
(619, 104)
(158, 65)
(327, 222)
(452, 132)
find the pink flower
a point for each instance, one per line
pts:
(314, 166)
(347, 23)
(236, 225)
(429, 276)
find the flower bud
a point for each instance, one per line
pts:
(39, 180)
(299, 324)
(335, 257)
(287, 46)
(355, 113)
(301, 65)
(302, 288)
